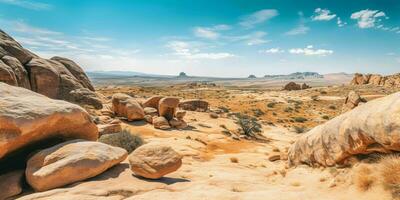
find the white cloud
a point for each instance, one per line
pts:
(251, 39)
(367, 18)
(258, 17)
(322, 15)
(340, 23)
(190, 51)
(310, 51)
(272, 51)
(210, 32)
(300, 29)
(32, 5)
(22, 27)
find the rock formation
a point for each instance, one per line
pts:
(292, 86)
(376, 79)
(352, 100)
(124, 105)
(57, 78)
(154, 160)
(167, 107)
(152, 102)
(70, 162)
(27, 117)
(194, 105)
(11, 184)
(371, 127)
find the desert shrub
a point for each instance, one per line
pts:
(390, 172)
(315, 97)
(363, 177)
(258, 112)
(326, 117)
(332, 107)
(249, 125)
(288, 109)
(299, 119)
(299, 129)
(123, 139)
(323, 92)
(271, 104)
(234, 160)
(224, 109)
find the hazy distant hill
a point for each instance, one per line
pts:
(296, 75)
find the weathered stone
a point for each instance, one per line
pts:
(292, 86)
(194, 105)
(124, 105)
(27, 117)
(154, 160)
(7, 75)
(13, 48)
(70, 162)
(109, 128)
(180, 114)
(177, 123)
(152, 102)
(167, 107)
(150, 111)
(161, 123)
(20, 72)
(11, 184)
(371, 127)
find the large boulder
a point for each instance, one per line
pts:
(371, 127)
(376, 79)
(11, 184)
(194, 105)
(152, 102)
(19, 70)
(12, 48)
(27, 118)
(124, 105)
(154, 160)
(160, 123)
(292, 86)
(57, 78)
(167, 107)
(352, 100)
(70, 162)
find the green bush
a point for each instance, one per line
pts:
(123, 139)
(326, 117)
(299, 119)
(249, 125)
(298, 129)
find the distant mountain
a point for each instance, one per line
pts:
(110, 74)
(296, 75)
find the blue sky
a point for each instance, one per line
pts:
(212, 38)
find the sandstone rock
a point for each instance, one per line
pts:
(352, 100)
(152, 102)
(177, 123)
(305, 86)
(150, 111)
(167, 107)
(194, 105)
(292, 86)
(27, 117)
(76, 70)
(13, 48)
(180, 114)
(161, 123)
(154, 160)
(358, 79)
(20, 72)
(7, 75)
(109, 128)
(148, 118)
(84, 96)
(11, 184)
(274, 157)
(371, 127)
(214, 115)
(124, 105)
(375, 79)
(70, 162)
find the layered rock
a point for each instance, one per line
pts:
(376, 79)
(154, 160)
(57, 78)
(11, 184)
(194, 105)
(124, 105)
(27, 117)
(371, 127)
(352, 100)
(70, 162)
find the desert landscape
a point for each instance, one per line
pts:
(71, 133)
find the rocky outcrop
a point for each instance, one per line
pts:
(27, 118)
(292, 86)
(124, 105)
(304, 86)
(194, 105)
(57, 78)
(11, 184)
(352, 100)
(152, 102)
(167, 107)
(376, 79)
(160, 123)
(154, 160)
(70, 162)
(371, 127)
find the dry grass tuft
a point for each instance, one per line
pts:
(390, 173)
(363, 177)
(234, 160)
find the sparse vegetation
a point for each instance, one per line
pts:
(332, 107)
(326, 117)
(271, 104)
(299, 129)
(363, 177)
(123, 139)
(249, 125)
(390, 173)
(299, 119)
(234, 160)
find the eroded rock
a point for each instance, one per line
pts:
(167, 107)
(194, 105)
(124, 105)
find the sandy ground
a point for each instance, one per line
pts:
(216, 166)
